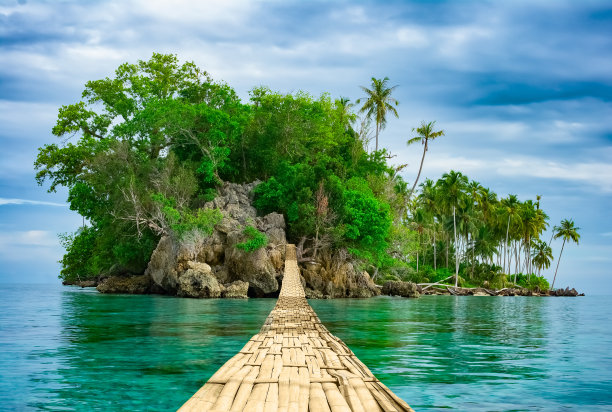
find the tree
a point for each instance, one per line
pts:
(510, 208)
(568, 232)
(425, 133)
(541, 255)
(378, 102)
(452, 185)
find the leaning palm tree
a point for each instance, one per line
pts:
(378, 102)
(425, 133)
(567, 231)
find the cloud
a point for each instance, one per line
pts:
(5, 201)
(34, 238)
(607, 234)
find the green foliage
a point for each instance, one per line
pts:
(180, 223)
(77, 261)
(146, 147)
(254, 240)
(532, 282)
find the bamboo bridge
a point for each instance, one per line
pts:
(294, 364)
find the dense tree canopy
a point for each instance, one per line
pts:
(144, 150)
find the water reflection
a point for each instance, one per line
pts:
(72, 349)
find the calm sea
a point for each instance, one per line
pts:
(72, 349)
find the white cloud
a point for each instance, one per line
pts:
(5, 201)
(36, 238)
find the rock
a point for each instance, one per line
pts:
(565, 292)
(276, 257)
(134, 285)
(254, 267)
(162, 266)
(236, 290)
(199, 267)
(222, 274)
(313, 294)
(481, 292)
(399, 288)
(273, 225)
(196, 284)
(360, 285)
(88, 283)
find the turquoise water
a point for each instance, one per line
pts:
(66, 348)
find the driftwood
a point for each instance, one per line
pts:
(437, 283)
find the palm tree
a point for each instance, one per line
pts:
(378, 102)
(510, 208)
(347, 117)
(425, 133)
(541, 255)
(567, 231)
(451, 186)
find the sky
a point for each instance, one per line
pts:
(523, 90)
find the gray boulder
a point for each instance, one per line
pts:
(399, 288)
(236, 290)
(198, 284)
(254, 267)
(162, 267)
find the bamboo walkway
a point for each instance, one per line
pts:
(294, 364)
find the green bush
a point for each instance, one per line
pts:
(255, 240)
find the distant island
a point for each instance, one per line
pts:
(186, 190)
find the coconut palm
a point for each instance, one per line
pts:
(567, 231)
(541, 255)
(451, 186)
(378, 102)
(425, 133)
(510, 208)
(347, 117)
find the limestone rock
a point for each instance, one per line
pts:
(162, 266)
(134, 285)
(399, 288)
(254, 267)
(313, 294)
(196, 284)
(236, 290)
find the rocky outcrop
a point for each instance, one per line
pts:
(211, 266)
(134, 285)
(399, 288)
(162, 266)
(198, 282)
(336, 276)
(236, 290)
(565, 292)
(255, 267)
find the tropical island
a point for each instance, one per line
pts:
(189, 191)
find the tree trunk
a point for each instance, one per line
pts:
(417, 262)
(506, 246)
(435, 268)
(447, 247)
(558, 261)
(377, 127)
(420, 168)
(456, 257)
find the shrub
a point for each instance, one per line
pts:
(255, 240)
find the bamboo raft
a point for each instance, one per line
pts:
(294, 364)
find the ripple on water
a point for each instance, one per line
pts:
(64, 348)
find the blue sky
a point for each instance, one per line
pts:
(522, 88)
